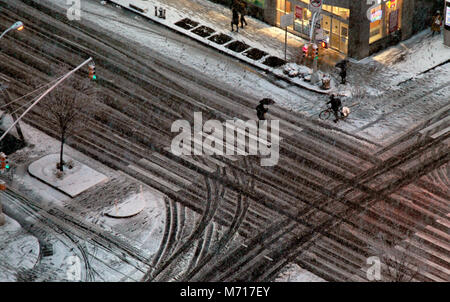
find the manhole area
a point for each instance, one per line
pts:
(187, 23)
(274, 62)
(220, 39)
(255, 54)
(237, 46)
(203, 31)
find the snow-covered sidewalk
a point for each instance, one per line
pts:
(18, 250)
(258, 44)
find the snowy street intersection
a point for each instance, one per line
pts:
(339, 193)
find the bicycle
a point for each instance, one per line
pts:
(343, 113)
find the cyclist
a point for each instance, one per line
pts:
(336, 105)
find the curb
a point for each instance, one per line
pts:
(276, 72)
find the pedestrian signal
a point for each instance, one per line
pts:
(4, 164)
(92, 75)
(315, 52)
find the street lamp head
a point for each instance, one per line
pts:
(18, 25)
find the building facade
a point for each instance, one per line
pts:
(354, 27)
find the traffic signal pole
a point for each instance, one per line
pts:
(314, 76)
(44, 94)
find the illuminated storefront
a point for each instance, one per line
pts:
(385, 19)
(357, 28)
(334, 21)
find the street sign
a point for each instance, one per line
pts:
(315, 6)
(286, 20)
(298, 12)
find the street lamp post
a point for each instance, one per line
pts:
(18, 25)
(44, 94)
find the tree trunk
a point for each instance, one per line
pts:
(61, 162)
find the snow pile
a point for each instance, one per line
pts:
(294, 273)
(293, 70)
(130, 207)
(18, 250)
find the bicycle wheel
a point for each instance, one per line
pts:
(324, 115)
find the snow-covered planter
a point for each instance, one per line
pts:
(70, 181)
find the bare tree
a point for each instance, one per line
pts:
(396, 249)
(397, 263)
(68, 109)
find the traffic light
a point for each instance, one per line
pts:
(4, 163)
(305, 50)
(324, 44)
(92, 75)
(315, 52)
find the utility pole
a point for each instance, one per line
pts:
(285, 35)
(7, 98)
(2, 216)
(314, 76)
(44, 94)
(315, 6)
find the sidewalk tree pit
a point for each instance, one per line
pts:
(237, 46)
(274, 62)
(255, 54)
(187, 23)
(220, 39)
(204, 31)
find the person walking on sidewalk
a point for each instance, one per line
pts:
(343, 72)
(243, 12)
(436, 23)
(235, 18)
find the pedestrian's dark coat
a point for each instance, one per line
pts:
(234, 4)
(235, 18)
(342, 64)
(243, 8)
(335, 103)
(261, 110)
(437, 23)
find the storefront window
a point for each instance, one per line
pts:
(282, 10)
(385, 19)
(333, 26)
(376, 25)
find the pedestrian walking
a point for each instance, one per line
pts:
(234, 4)
(235, 19)
(261, 111)
(436, 23)
(243, 12)
(343, 72)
